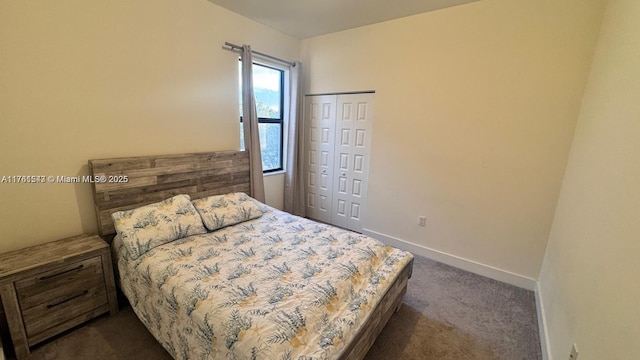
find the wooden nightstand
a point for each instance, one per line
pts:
(50, 288)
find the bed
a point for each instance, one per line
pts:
(264, 285)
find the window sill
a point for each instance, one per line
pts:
(280, 172)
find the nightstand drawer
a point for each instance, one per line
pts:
(51, 298)
(62, 309)
(62, 282)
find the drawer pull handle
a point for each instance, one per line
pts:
(67, 300)
(64, 272)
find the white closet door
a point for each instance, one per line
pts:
(351, 160)
(319, 147)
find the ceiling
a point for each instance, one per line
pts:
(308, 18)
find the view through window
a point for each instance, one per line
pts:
(268, 84)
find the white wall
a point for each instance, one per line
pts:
(92, 79)
(475, 112)
(590, 279)
(274, 190)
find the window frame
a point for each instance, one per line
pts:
(282, 120)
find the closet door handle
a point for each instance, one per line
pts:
(344, 174)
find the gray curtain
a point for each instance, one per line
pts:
(294, 201)
(250, 123)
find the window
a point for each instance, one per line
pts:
(268, 84)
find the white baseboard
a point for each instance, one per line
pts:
(542, 326)
(456, 261)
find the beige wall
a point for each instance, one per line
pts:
(475, 112)
(590, 284)
(93, 79)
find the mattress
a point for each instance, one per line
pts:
(276, 287)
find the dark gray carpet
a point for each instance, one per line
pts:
(453, 314)
(448, 314)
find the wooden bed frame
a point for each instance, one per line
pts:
(151, 179)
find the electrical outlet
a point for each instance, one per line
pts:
(574, 353)
(422, 220)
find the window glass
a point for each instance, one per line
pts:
(267, 86)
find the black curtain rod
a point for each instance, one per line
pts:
(236, 48)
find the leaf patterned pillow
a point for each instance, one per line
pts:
(229, 209)
(146, 227)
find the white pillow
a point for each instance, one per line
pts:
(155, 224)
(223, 210)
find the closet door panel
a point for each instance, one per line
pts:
(353, 125)
(319, 144)
(338, 142)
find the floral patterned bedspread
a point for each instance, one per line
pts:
(276, 287)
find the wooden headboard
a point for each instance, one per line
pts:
(127, 183)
